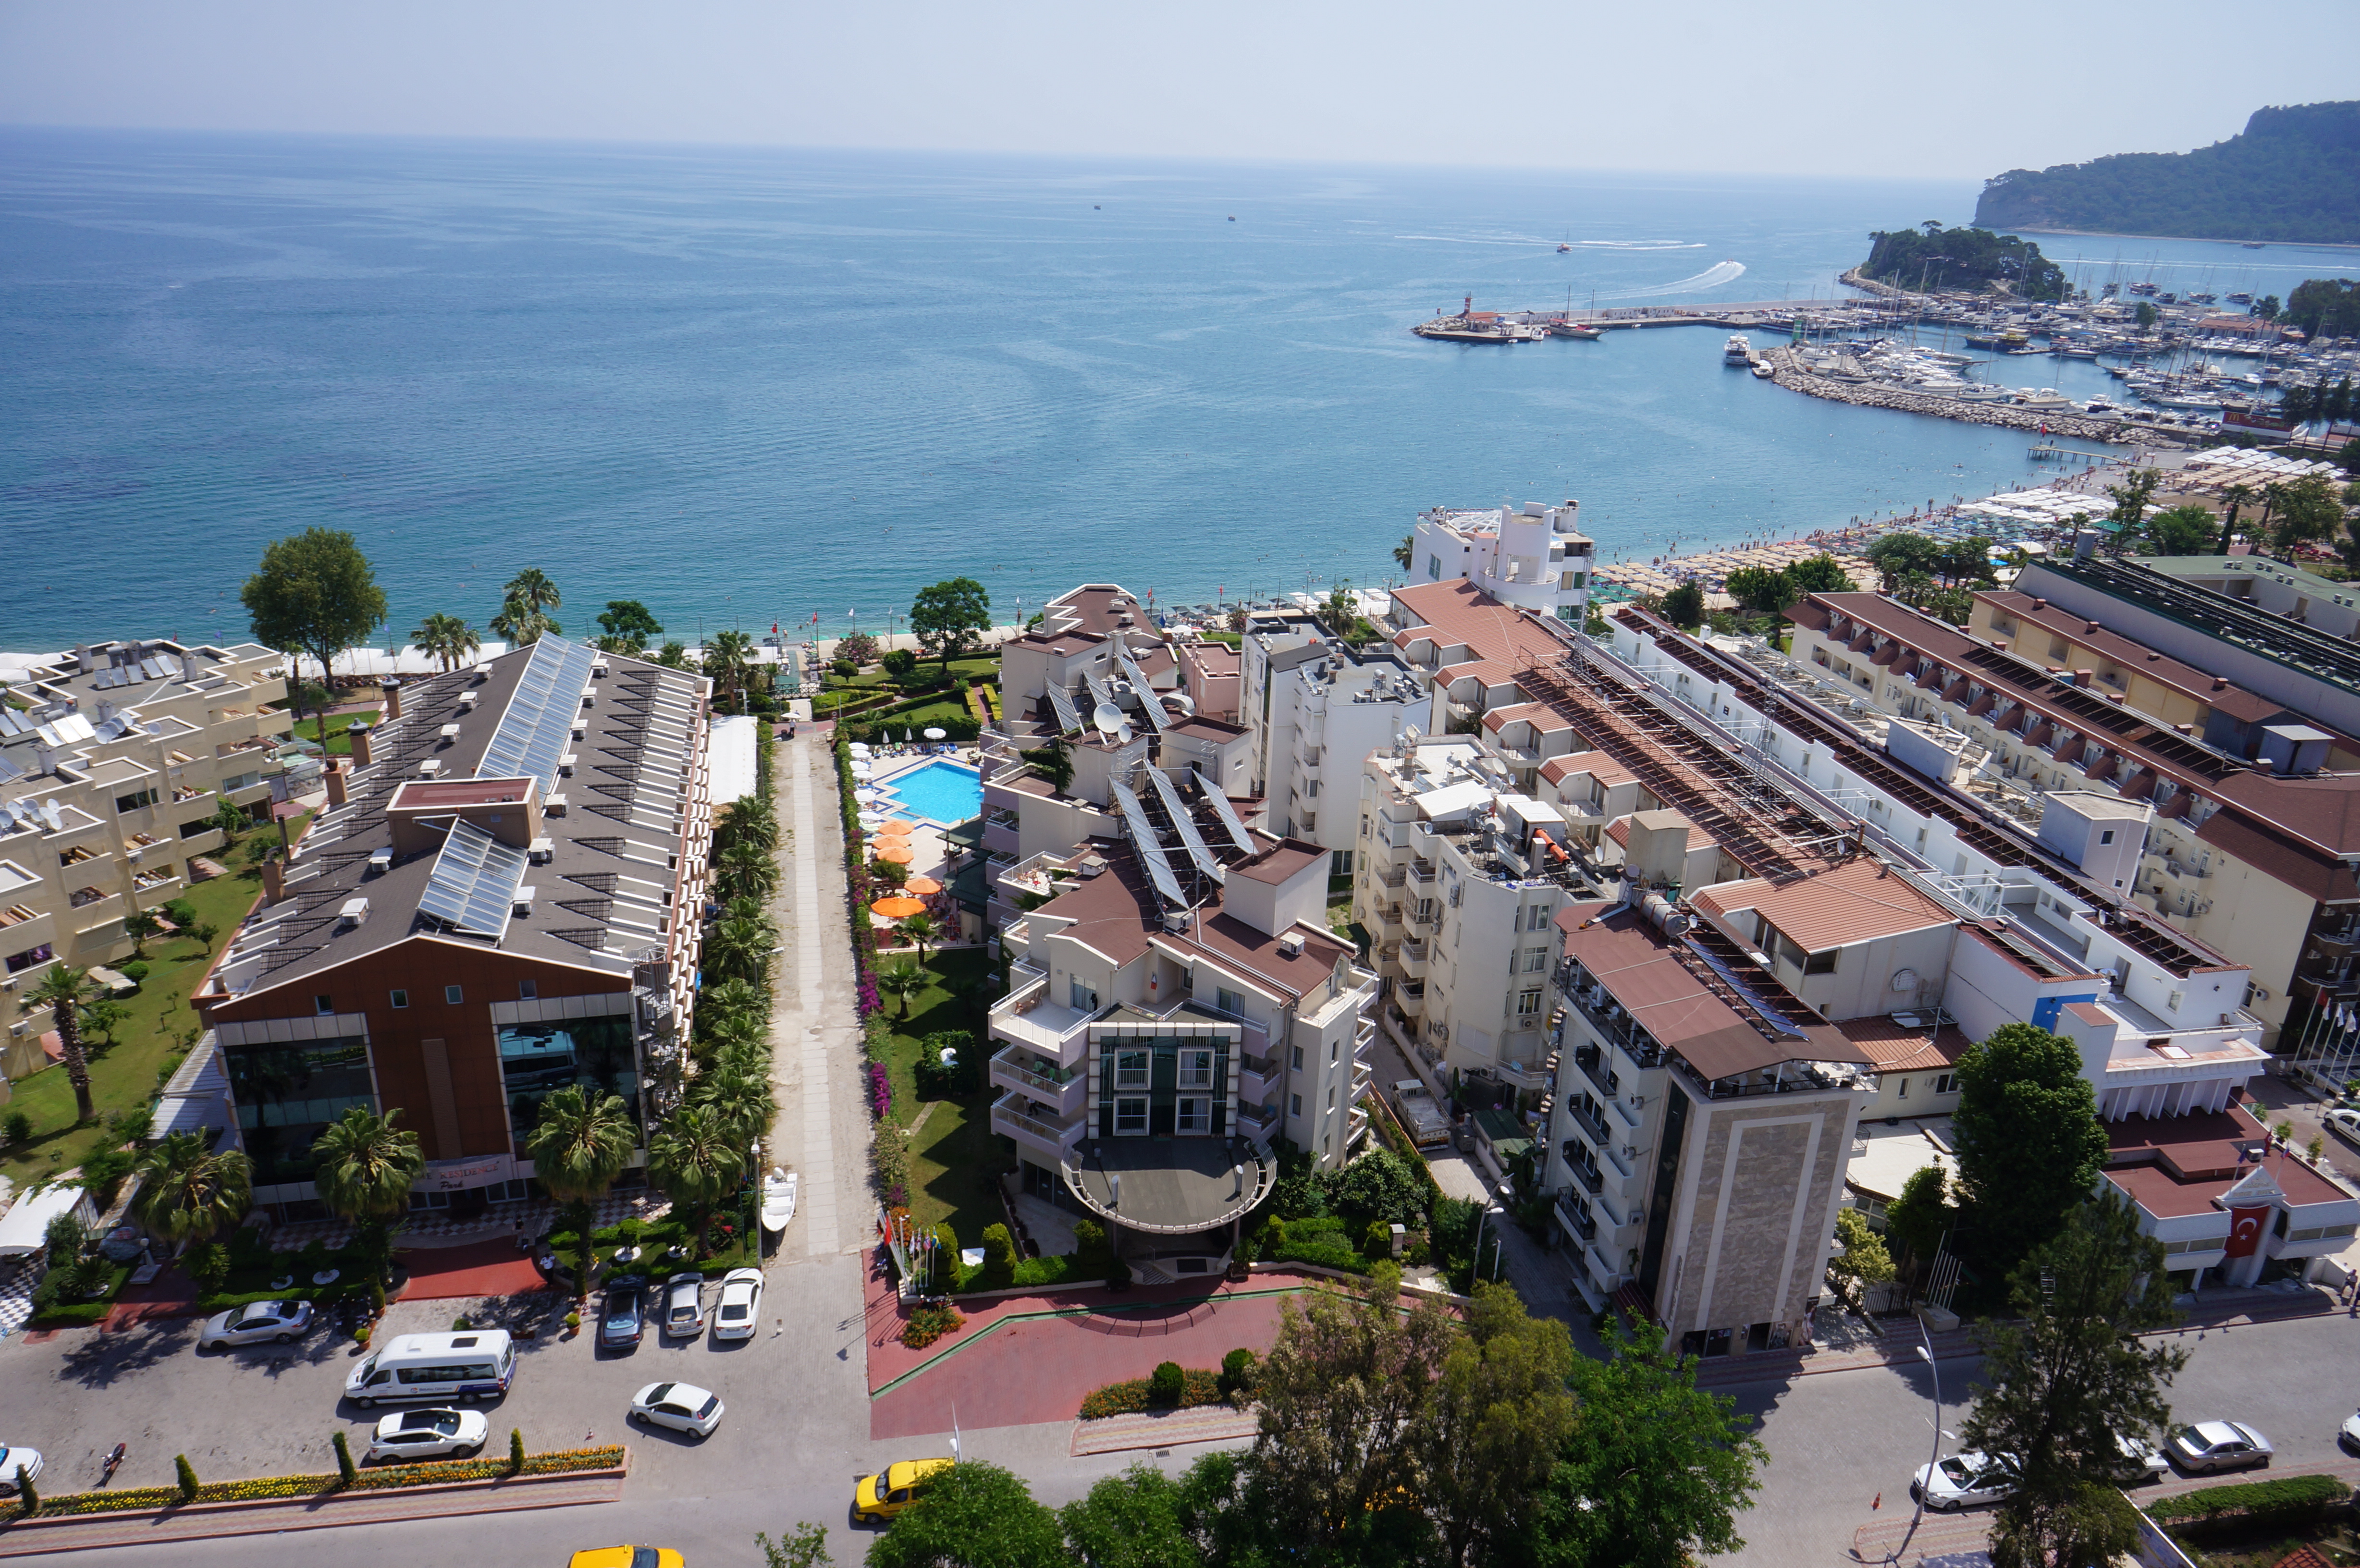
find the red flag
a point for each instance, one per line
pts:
(774, 628)
(2246, 1230)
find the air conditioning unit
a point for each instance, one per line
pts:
(430, 768)
(20, 1028)
(590, 696)
(541, 851)
(565, 766)
(10, 984)
(554, 806)
(522, 903)
(598, 670)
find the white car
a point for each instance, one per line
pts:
(683, 1406)
(1964, 1481)
(280, 1321)
(2345, 1123)
(740, 1305)
(684, 1316)
(2142, 1462)
(2349, 1432)
(427, 1434)
(17, 1465)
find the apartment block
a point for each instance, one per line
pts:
(503, 897)
(114, 759)
(1533, 557)
(1315, 705)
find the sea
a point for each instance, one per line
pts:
(760, 387)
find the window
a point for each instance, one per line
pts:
(529, 989)
(1334, 1046)
(1085, 998)
(1195, 1069)
(323, 1005)
(400, 999)
(1196, 1116)
(453, 995)
(1944, 1083)
(135, 802)
(1130, 1069)
(1131, 1113)
(45, 952)
(1294, 1106)
(1535, 959)
(2107, 837)
(191, 829)
(1528, 1005)
(1229, 1001)
(1821, 962)
(1901, 1090)
(1298, 1052)
(1433, 569)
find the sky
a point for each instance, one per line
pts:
(1702, 86)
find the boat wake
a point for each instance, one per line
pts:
(1639, 245)
(1710, 277)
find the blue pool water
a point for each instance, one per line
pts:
(940, 791)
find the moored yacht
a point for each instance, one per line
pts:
(1737, 351)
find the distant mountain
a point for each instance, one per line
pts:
(2292, 175)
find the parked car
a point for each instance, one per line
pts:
(427, 1434)
(2345, 1123)
(282, 1323)
(2142, 1462)
(1965, 1481)
(2210, 1446)
(740, 1304)
(683, 1406)
(880, 1496)
(17, 1465)
(2349, 1433)
(685, 1306)
(628, 1557)
(625, 1319)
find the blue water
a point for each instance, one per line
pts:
(757, 385)
(940, 792)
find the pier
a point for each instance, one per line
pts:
(1787, 371)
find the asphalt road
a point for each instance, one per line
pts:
(1838, 1439)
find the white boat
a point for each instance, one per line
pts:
(778, 1200)
(1765, 370)
(1738, 351)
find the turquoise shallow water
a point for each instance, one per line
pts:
(748, 386)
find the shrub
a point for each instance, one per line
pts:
(573, 1320)
(999, 1258)
(1239, 1368)
(65, 1238)
(1379, 1185)
(345, 1465)
(2256, 1504)
(880, 1092)
(207, 1263)
(1089, 1239)
(1167, 1384)
(845, 667)
(28, 1502)
(137, 972)
(898, 662)
(1379, 1242)
(929, 1323)
(16, 1127)
(963, 1077)
(1198, 1387)
(516, 1449)
(946, 1259)
(188, 1475)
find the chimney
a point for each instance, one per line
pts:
(337, 795)
(274, 881)
(82, 658)
(362, 754)
(2219, 683)
(2080, 677)
(2090, 626)
(392, 700)
(188, 666)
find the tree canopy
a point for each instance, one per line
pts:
(314, 594)
(2289, 175)
(1684, 605)
(1939, 258)
(629, 626)
(2326, 306)
(950, 618)
(2183, 530)
(2028, 1141)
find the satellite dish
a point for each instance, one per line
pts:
(1411, 734)
(1124, 735)
(1107, 717)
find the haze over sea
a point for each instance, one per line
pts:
(748, 385)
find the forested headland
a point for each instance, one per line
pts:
(1932, 258)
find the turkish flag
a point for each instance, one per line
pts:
(2246, 1230)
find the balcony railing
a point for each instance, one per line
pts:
(1590, 1121)
(1009, 1114)
(1590, 1177)
(1015, 1062)
(1422, 873)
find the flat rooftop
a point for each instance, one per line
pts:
(1167, 1184)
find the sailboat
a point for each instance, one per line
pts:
(1565, 326)
(1565, 244)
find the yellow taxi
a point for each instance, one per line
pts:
(628, 1557)
(881, 1496)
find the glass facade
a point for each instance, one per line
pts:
(536, 1060)
(1162, 1088)
(287, 1094)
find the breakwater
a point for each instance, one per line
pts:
(1787, 371)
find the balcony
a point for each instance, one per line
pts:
(1422, 873)
(1000, 836)
(1258, 1122)
(1257, 1076)
(1591, 1060)
(1593, 1179)
(1574, 1223)
(1026, 1016)
(1410, 994)
(1388, 921)
(1020, 1116)
(1018, 1071)
(1591, 1121)
(1411, 958)
(1427, 918)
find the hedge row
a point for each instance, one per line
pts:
(1197, 1387)
(556, 1462)
(2258, 1502)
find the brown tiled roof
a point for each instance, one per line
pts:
(2134, 657)
(1618, 830)
(1896, 1048)
(2176, 1166)
(1058, 642)
(1860, 900)
(1203, 728)
(2277, 853)
(1540, 716)
(1458, 613)
(1595, 764)
(1280, 862)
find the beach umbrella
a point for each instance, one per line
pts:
(898, 909)
(935, 733)
(898, 826)
(923, 887)
(858, 748)
(897, 853)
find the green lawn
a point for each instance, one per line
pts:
(147, 1042)
(954, 1150)
(339, 743)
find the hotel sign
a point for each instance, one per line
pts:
(454, 1175)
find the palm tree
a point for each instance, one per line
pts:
(748, 822)
(446, 639)
(579, 1145)
(742, 871)
(740, 949)
(535, 592)
(725, 658)
(904, 980)
(738, 1090)
(719, 1032)
(187, 1195)
(365, 1168)
(2235, 498)
(696, 1160)
(64, 989)
(733, 1000)
(920, 929)
(520, 625)
(1407, 551)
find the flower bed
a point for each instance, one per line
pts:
(557, 1462)
(928, 1325)
(1198, 1387)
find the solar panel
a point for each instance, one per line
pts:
(1143, 841)
(1069, 720)
(1227, 812)
(539, 724)
(1189, 836)
(1147, 698)
(1099, 692)
(473, 885)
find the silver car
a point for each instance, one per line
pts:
(2210, 1446)
(684, 1315)
(428, 1434)
(282, 1323)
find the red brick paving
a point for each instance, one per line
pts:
(493, 1268)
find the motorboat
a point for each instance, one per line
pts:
(1764, 370)
(1738, 351)
(778, 1199)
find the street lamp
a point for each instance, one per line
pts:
(1926, 1354)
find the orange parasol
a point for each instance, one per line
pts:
(897, 909)
(923, 887)
(899, 853)
(896, 828)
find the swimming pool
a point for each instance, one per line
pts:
(940, 791)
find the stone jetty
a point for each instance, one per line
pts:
(1787, 370)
